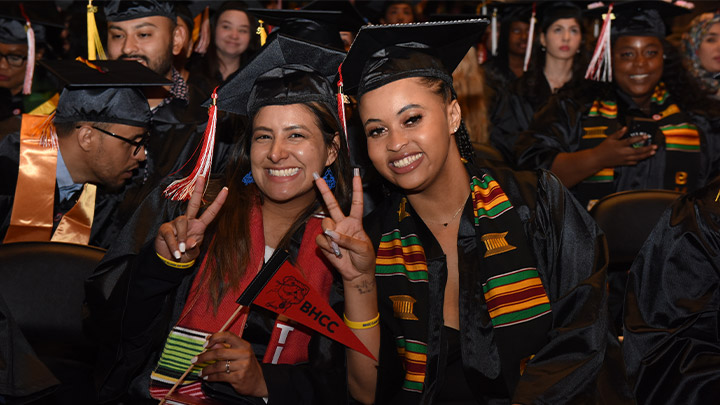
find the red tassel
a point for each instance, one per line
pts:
(30, 64)
(182, 189)
(341, 104)
(600, 67)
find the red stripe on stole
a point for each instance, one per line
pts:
(392, 253)
(516, 297)
(495, 191)
(413, 367)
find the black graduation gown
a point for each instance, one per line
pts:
(132, 284)
(106, 222)
(516, 108)
(672, 305)
(558, 127)
(580, 361)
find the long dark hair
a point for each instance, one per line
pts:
(230, 249)
(531, 83)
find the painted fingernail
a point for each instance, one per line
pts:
(193, 360)
(336, 249)
(356, 171)
(225, 188)
(205, 377)
(316, 176)
(182, 247)
(332, 234)
(205, 344)
(177, 254)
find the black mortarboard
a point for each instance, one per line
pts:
(12, 21)
(319, 26)
(285, 71)
(551, 11)
(641, 18)
(123, 10)
(110, 95)
(350, 20)
(384, 53)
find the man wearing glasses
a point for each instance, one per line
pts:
(62, 177)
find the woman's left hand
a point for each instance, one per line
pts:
(345, 243)
(235, 364)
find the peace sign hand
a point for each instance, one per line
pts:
(181, 238)
(345, 243)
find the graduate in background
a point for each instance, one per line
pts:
(64, 175)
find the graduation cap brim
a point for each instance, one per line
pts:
(39, 12)
(278, 17)
(665, 9)
(351, 19)
(234, 94)
(115, 73)
(640, 17)
(447, 41)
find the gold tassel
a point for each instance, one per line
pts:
(261, 31)
(94, 43)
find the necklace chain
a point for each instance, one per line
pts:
(445, 224)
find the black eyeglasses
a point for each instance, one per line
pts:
(137, 144)
(13, 60)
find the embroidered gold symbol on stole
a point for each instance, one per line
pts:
(402, 214)
(681, 178)
(403, 307)
(496, 244)
(594, 132)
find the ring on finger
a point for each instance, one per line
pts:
(227, 366)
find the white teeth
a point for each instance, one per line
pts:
(639, 76)
(406, 160)
(283, 172)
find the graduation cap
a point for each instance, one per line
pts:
(629, 18)
(23, 23)
(319, 26)
(104, 91)
(123, 10)
(286, 71)
(551, 11)
(14, 17)
(351, 19)
(385, 53)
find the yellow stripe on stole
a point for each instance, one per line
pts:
(507, 309)
(511, 288)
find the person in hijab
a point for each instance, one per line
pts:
(702, 51)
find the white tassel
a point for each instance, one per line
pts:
(493, 33)
(531, 34)
(30, 65)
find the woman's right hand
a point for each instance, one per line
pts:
(345, 243)
(616, 151)
(181, 238)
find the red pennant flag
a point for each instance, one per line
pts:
(288, 294)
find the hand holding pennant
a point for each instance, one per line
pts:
(281, 288)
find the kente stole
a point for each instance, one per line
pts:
(513, 297)
(32, 216)
(288, 342)
(679, 137)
